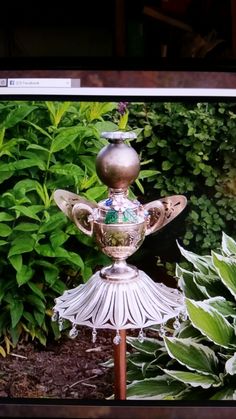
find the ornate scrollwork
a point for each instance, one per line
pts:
(173, 205)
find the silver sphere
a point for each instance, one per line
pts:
(117, 165)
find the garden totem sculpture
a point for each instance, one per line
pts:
(119, 296)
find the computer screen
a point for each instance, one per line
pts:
(51, 125)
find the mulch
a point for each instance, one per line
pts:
(65, 369)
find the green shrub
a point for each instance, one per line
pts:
(193, 146)
(198, 361)
(44, 146)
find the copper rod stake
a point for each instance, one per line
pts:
(120, 367)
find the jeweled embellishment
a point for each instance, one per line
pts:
(111, 217)
(60, 324)
(117, 339)
(55, 316)
(94, 335)
(176, 324)
(141, 336)
(108, 202)
(129, 216)
(162, 331)
(73, 333)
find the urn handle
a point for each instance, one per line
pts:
(82, 215)
(156, 211)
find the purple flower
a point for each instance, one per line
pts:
(122, 107)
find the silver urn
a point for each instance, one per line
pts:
(118, 224)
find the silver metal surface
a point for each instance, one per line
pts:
(172, 205)
(119, 271)
(119, 135)
(66, 200)
(117, 165)
(123, 304)
(119, 296)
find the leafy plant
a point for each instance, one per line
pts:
(193, 146)
(198, 360)
(44, 146)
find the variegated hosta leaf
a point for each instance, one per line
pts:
(194, 356)
(149, 368)
(230, 365)
(144, 363)
(203, 287)
(228, 245)
(149, 346)
(226, 268)
(201, 263)
(211, 286)
(194, 394)
(157, 388)
(211, 323)
(134, 373)
(195, 379)
(227, 393)
(186, 330)
(224, 307)
(187, 284)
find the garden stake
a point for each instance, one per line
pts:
(120, 367)
(119, 296)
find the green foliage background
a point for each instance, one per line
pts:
(193, 146)
(186, 148)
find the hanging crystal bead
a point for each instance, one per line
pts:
(73, 332)
(141, 336)
(162, 331)
(176, 324)
(184, 316)
(54, 317)
(94, 335)
(117, 338)
(60, 323)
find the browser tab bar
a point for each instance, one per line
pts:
(3, 82)
(39, 82)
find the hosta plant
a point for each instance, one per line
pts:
(197, 361)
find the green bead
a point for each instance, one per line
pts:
(129, 216)
(111, 217)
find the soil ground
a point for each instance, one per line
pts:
(65, 369)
